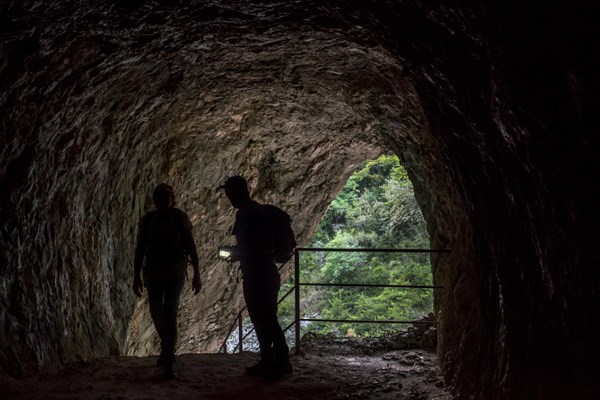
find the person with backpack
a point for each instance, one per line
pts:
(165, 239)
(264, 237)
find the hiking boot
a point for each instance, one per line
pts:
(260, 368)
(279, 368)
(169, 372)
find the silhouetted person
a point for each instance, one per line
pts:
(256, 252)
(165, 239)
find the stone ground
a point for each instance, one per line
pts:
(329, 368)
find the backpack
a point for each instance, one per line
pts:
(283, 235)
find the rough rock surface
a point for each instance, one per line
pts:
(490, 114)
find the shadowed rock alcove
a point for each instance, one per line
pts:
(102, 100)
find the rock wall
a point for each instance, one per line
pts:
(489, 114)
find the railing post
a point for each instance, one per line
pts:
(297, 298)
(240, 332)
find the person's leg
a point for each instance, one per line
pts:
(156, 300)
(261, 301)
(173, 288)
(280, 347)
(254, 295)
(281, 364)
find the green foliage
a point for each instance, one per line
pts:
(376, 209)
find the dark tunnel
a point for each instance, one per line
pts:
(491, 108)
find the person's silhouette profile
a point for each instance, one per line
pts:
(253, 230)
(165, 239)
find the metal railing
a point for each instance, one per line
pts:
(296, 289)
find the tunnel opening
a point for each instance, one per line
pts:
(376, 209)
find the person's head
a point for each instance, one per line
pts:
(163, 196)
(236, 189)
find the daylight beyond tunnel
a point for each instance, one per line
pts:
(101, 102)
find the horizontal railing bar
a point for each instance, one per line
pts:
(368, 250)
(367, 321)
(370, 285)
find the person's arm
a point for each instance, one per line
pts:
(140, 251)
(190, 248)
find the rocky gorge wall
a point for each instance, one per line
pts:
(102, 100)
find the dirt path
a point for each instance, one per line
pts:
(328, 369)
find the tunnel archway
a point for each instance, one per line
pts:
(101, 102)
(281, 138)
